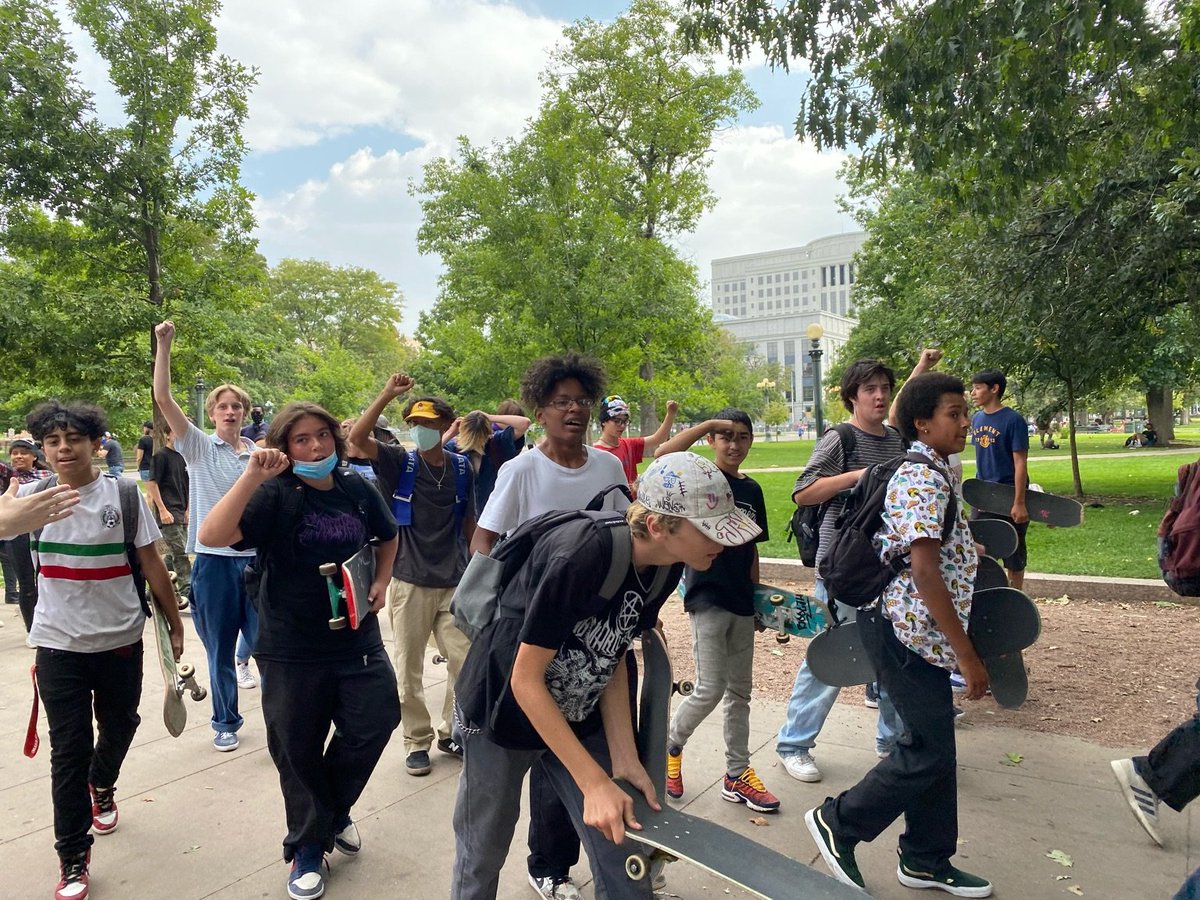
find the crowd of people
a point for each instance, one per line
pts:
(246, 516)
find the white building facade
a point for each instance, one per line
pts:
(767, 301)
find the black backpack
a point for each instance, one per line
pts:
(851, 568)
(1179, 535)
(805, 524)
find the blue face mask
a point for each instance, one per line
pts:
(316, 470)
(424, 437)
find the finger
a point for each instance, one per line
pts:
(651, 800)
(13, 487)
(618, 829)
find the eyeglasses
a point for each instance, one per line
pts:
(564, 403)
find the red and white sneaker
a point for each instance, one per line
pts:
(674, 772)
(104, 810)
(73, 877)
(748, 788)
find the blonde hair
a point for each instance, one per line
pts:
(475, 431)
(211, 403)
(637, 516)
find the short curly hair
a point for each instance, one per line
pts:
(545, 374)
(920, 397)
(85, 418)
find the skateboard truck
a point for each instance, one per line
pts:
(329, 570)
(187, 682)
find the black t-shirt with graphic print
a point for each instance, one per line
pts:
(293, 607)
(727, 583)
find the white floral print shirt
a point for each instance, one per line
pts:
(916, 508)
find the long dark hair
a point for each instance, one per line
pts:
(286, 418)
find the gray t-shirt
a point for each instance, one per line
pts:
(827, 459)
(432, 553)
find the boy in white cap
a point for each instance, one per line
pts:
(568, 685)
(614, 419)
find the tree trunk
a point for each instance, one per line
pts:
(647, 413)
(1071, 435)
(1161, 412)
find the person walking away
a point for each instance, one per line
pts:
(145, 451)
(168, 489)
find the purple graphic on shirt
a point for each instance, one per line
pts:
(326, 530)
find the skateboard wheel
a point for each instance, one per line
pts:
(782, 638)
(199, 693)
(337, 624)
(186, 670)
(438, 659)
(635, 867)
(776, 599)
(327, 569)
(686, 688)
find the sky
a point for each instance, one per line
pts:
(355, 96)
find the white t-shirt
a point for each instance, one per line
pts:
(532, 484)
(86, 599)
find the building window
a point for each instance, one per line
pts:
(842, 273)
(772, 351)
(852, 273)
(741, 285)
(823, 273)
(787, 276)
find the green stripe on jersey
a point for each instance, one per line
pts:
(78, 549)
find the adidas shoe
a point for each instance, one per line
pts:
(1141, 799)
(561, 887)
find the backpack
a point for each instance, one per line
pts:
(1179, 535)
(130, 519)
(402, 496)
(851, 567)
(805, 524)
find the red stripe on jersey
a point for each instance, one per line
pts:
(71, 574)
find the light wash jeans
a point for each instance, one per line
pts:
(811, 702)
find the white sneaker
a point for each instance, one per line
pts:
(556, 888)
(802, 767)
(1141, 799)
(245, 678)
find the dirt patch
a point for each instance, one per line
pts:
(1118, 674)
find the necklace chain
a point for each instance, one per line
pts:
(436, 479)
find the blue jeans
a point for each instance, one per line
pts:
(811, 702)
(144, 474)
(221, 609)
(116, 470)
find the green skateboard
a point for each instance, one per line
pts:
(177, 678)
(349, 585)
(789, 614)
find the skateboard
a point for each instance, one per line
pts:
(177, 678)
(1049, 509)
(1004, 621)
(990, 574)
(787, 613)
(669, 834)
(998, 537)
(350, 584)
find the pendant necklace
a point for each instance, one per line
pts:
(436, 479)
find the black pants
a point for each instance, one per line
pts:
(1173, 767)
(71, 684)
(919, 778)
(322, 777)
(20, 578)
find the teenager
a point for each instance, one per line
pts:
(569, 680)
(1001, 440)
(488, 441)
(19, 515)
(112, 454)
(614, 419)
(221, 608)
(88, 628)
(328, 696)
(431, 496)
(915, 635)
(20, 579)
(719, 601)
(145, 451)
(561, 472)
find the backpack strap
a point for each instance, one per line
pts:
(130, 519)
(619, 561)
(952, 504)
(462, 485)
(402, 496)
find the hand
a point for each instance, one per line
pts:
(609, 809)
(165, 332)
(980, 550)
(378, 594)
(637, 776)
(266, 464)
(398, 384)
(716, 426)
(24, 514)
(930, 357)
(672, 407)
(1019, 514)
(166, 518)
(177, 642)
(975, 674)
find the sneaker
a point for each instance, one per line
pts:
(104, 810)
(245, 678)
(556, 887)
(871, 700)
(1141, 799)
(883, 752)
(838, 855)
(417, 763)
(748, 788)
(802, 767)
(73, 877)
(306, 881)
(959, 713)
(948, 878)
(958, 684)
(658, 874)
(674, 772)
(346, 837)
(224, 741)
(450, 746)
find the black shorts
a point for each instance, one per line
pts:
(1015, 562)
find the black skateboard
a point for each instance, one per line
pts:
(1049, 509)
(998, 537)
(837, 657)
(670, 834)
(989, 575)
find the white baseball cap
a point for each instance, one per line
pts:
(689, 486)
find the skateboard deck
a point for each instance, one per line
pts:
(670, 834)
(177, 678)
(1004, 621)
(1049, 509)
(787, 613)
(990, 574)
(998, 537)
(837, 657)
(349, 586)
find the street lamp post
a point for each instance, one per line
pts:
(766, 386)
(814, 332)
(200, 389)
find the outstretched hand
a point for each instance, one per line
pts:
(930, 357)
(398, 384)
(19, 515)
(672, 407)
(165, 331)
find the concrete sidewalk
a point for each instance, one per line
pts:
(200, 824)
